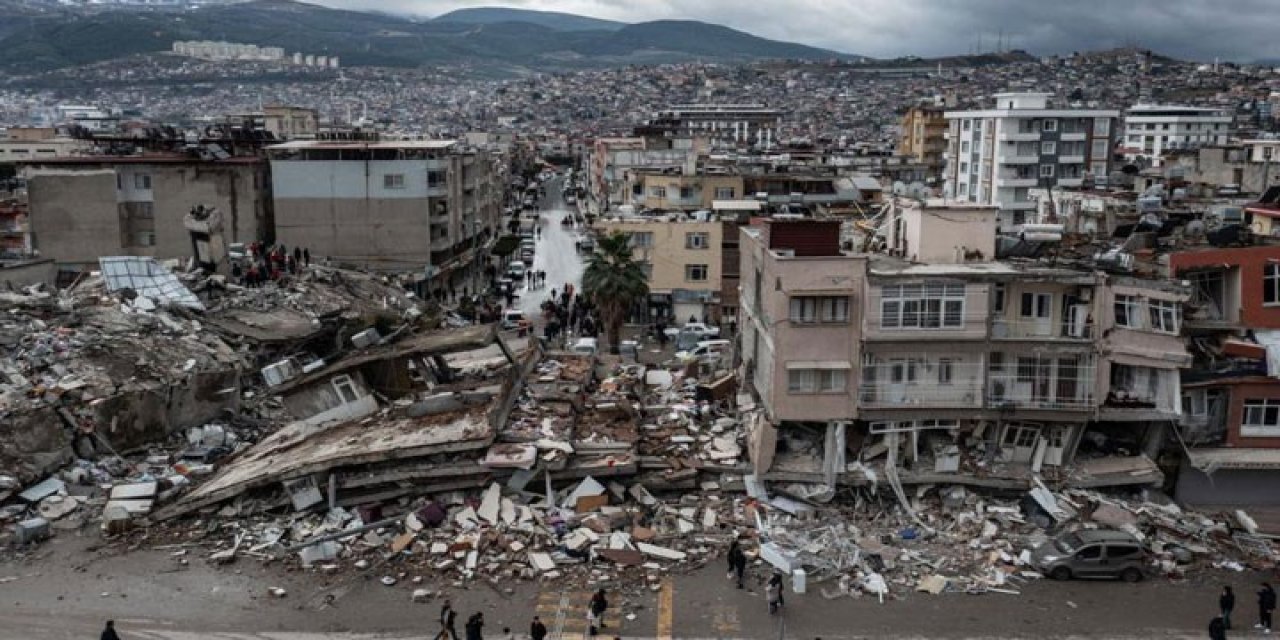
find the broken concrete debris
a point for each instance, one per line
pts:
(404, 450)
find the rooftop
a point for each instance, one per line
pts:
(363, 144)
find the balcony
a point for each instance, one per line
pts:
(1016, 181)
(1040, 329)
(1019, 136)
(1070, 182)
(1018, 205)
(921, 384)
(1073, 136)
(1043, 389)
(1078, 159)
(1014, 158)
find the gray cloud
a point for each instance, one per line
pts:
(1195, 29)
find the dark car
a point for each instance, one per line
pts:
(1091, 553)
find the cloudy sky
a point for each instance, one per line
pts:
(1199, 29)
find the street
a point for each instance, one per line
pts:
(555, 252)
(74, 586)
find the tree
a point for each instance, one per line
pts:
(614, 281)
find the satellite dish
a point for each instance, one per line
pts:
(899, 188)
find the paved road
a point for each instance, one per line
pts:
(555, 253)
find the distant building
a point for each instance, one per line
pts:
(291, 123)
(995, 156)
(426, 208)
(735, 125)
(1151, 130)
(220, 50)
(924, 136)
(21, 144)
(82, 208)
(676, 189)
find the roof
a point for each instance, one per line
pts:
(147, 278)
(736, 205)
(363, 144)
(168, 158)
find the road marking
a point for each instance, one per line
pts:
(666, 609)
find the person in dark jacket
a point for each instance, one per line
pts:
(737, 561)
(776, 581)
(1226, 603)
(537, 630)
(447, 618)
(1266, 605)
(597, 608)
(109, 633)
(1217, 629)
(475, 625)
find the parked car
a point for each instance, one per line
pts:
(703, 330)
(708, 349)
(1091, 553)
(585, 346)
(526, 257)
(513, 319)
(516, 271)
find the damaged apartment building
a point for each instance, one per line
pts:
(932, 362)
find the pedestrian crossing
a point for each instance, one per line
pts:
(565, 614)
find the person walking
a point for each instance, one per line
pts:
(1266, 605)
(1217, 629)
(475, 626)
(537, 630)
(306, 256)
(595, 612)
(773, 594)
(737, 561)
(109, 632)
(447, 618)
(776, 580)
(1226, 603)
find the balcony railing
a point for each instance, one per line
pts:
(920, 383)
(1032, 329)
(1050, 390)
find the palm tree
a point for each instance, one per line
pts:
(614, 281)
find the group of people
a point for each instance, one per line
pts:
(474, 629)
(535, 279)
(569, 312)
(737, 571)
(268, 264)
(1219, 626)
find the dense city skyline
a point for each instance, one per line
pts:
(1193, 29)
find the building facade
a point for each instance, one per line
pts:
(428, 209)
(675, 189)
(731, 125)
(1151, 130)
(924, 136)
(683, 260)
(995, 156)
(82, 208)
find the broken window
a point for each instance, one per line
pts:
(1164, 315)
(346, 389)
(1261, 418)
(1209, 293)
(1271, 284)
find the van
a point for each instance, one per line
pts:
(706, 349)
(1091, 553)
(585, 346)
(513, 319)
(516, 271)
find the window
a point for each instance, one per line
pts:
(686, 193)
(1126, 309)
(346, 389)
(901, 370)
(998, 297)
(1046, 171)
(1099, 149)
(142, 181)
(1101, 126)
(964, 167)
(1261, 418)
(658, 192)
(1048, 148)
(1271, 284)
(641, 239)
(1050, 125)
(435, 179)
(966, 124)
(646, 267)
(1035, 305)
(393, 181)
(944, 371)
(1195, 403)
(1117, 551)
(1164, 315)
(964, 147)
(816, 380)
(695, 272)
(814, 309)
(697, 240)
(922, 306)
(725, 193)
(1090, 553)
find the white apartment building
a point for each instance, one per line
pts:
(1151, 130)
(733, 124)
(996, 156)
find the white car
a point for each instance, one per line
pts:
(516, 271)
(706, 350)
(585, 346)
(697, 328)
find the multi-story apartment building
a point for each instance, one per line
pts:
(1151, 130)
(924, 136)
(1248, 166)
(683, 261)
(972, 370)
(426, 208)
(678, 189)
(291, 123)
(85, 207)
(995, 156)
(23, 144)
(611, 159)
(730, 125)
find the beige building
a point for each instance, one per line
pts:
(25, 144)
(1029, 367)
(427, 208)
(86, 207)
(291, 123)
(683, 261)
(924, 133)
(676, 189)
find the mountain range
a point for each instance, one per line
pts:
(38, 38)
